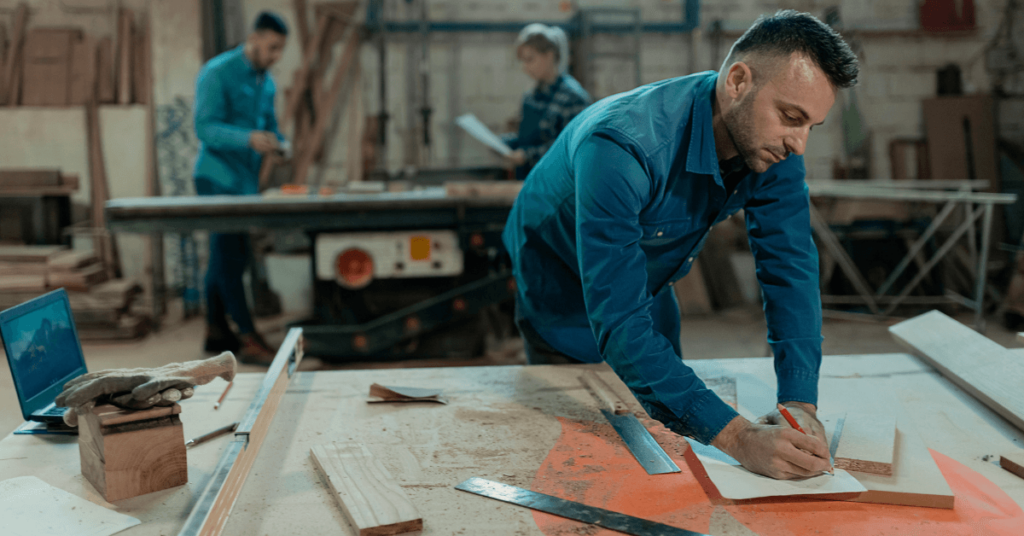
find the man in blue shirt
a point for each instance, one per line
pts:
(621, 204)
(236, 127)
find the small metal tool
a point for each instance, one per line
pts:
(214, 434)
(571, 510)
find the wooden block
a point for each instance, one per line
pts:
(370, 497)
(124, 56)
(47, 66)
(125, 454)
(1013, 463)
(82, 83)
(105, 89)
(867, 444)
(983, 368)
(29, 178)
(604, 393)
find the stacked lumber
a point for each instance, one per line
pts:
(102, 308)
(13, 181)
(66, 67)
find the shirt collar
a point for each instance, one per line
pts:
(550, 88)
(701, 156)
(245, 60)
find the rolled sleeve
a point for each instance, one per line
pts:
(210, 119)
(611, 189)
(779, 230)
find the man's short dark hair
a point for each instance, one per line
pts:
(268, 20)
(790, 31)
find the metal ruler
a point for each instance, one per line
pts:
(571, 510)
(638, 440)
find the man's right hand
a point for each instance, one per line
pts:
(262, 141)
(776, 451)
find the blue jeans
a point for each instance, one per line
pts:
(229, 256)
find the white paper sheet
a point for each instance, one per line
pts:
(735, 482)
(478, 130)
(31, 507)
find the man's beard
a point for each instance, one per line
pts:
(739, 123)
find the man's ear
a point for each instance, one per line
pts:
(738, 80)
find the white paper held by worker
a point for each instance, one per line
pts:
(478, 130)
(31, 507)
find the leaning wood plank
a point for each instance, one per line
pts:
(125, 43)
(867, 444)
(105, 89)
(604, 393)
(1013, 463)
(368, 494)
(983, 368)
(12, 82)
(82, 85)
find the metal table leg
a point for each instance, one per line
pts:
(979, 289)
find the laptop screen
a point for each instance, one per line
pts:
(42, 348)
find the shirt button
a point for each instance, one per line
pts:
(735, 191)
(660, 233)
(670, 283)
(690, 259)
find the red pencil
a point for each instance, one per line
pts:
(225, 393)
(792, 422)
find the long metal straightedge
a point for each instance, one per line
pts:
(644, 448)
(211, 511)
(571, 510)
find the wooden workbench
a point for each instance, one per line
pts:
(535, 427)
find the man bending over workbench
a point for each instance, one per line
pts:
(621, 204)
(235, 123)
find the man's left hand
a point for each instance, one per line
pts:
(806, 416)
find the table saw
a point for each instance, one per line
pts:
(540, 429)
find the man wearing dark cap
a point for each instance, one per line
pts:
(236, 127)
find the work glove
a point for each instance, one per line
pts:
(141, 388)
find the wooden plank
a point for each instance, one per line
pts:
(46, 74)
(70, 260)
(301, 22)
(40, 254)
(369, 496)
(82, 83)
(604, 393)
(867, 444)
(103, 243)
(25, 282)
(29, 178)
(3, 59)
(983, 368)
(124, 55)
(142, 77)
(300, 79)
(81, 280)
(1013, 463)
(105, 89)
(12, 66)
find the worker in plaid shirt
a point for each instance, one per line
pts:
(548, 108)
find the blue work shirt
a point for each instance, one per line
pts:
(233, 99)
(618, 210)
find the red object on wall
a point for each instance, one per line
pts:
(947, 15)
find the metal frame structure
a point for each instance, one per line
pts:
(975, 206)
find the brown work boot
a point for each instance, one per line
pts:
(254, 351)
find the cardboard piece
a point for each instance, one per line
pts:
(30, 506)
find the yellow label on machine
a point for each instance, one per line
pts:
(419, 248)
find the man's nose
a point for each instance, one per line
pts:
(797, 142)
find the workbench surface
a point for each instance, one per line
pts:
(539, 428)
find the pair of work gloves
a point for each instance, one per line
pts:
(141, 388)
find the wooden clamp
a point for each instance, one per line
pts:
(604, 392)
(127, 453)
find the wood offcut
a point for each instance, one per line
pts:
(867, 444)
(370, 497)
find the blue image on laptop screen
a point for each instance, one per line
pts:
(43, 348)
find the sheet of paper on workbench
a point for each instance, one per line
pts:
(31, 507)
(735, 482)
(478, 130)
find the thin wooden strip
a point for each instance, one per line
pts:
(983, 368)
(125, 44)
(867, 444)
(369, 496)
(12, 80)
(1013, 463)
(604, 392)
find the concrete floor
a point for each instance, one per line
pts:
(737, 332)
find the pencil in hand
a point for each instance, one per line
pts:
(792, 422)
(222, 395)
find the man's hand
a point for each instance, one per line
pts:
(779, 452)
(805, 415)
(517, 157)
(263, 142)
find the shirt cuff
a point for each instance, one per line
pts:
(798, 385)
(704, 419)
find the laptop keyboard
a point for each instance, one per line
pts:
(55, 411)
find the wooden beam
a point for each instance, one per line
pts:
(82, 86)
(12, 67)
(604, 393)
(142, 78)
(983, 368)
(867, 444)
(369, 496)
(103, 242)
(301, 22)
(105, 89)
(124, 56)
(300, 80)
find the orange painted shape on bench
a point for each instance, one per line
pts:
(590, 464)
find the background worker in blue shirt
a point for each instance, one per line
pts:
(620, 206)
(548, 108)
(236, 127)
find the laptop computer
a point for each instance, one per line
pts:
(44, 352)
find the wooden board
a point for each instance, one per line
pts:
(82, 83)
(32, 254)
(70, 260)
(82, 279)
(24, 282)
(372, 500)
(105, 88)
(604, 393)
(142, 77)
(1013, 463)
(47, 66)
(29, 178)
(867, 444)
(983, 368)
(949, 121)
(124, 55)
(12, 66)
